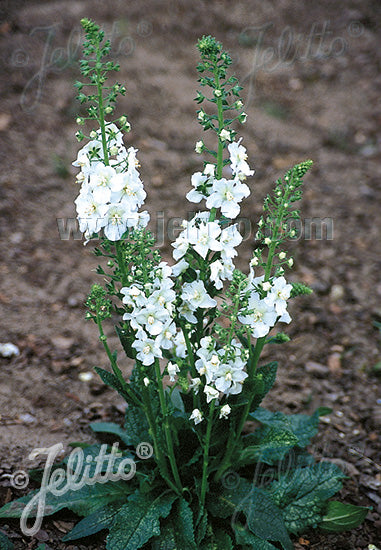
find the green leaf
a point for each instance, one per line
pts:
(244, 536)
(222, 504)
(83, 501)
(264, 518)
(113, 382)
(268, 373)
(126, 340)
(5, 543)
(222, 540)
(138, 521)
(111, 428)
(176, 400)
(302, 493)
(136, 425)
(340, 516)
(95, 522)
(267, 444)
(303, 426)
(178, 531)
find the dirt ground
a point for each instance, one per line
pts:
(312, 79)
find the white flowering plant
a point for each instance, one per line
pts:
(193, 330)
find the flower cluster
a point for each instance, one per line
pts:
(221, 192)
(267, 304)
(111, 189)
(151, 314)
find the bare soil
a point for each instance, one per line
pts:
(312, 79)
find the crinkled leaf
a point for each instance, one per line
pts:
(264, 518)
(267, 444)
(95, 522)
(223, 504)
(244, 536)
(303, 426)
(126, 339)
(84, 501)
(136, 425)
(176, 400)
(201, 527)
(178, 531)
(113, 429)
(5, 543)
(113, 382)
(301, 494)
(340, 516)
(268, 373)
(138, 520)
(222, 540)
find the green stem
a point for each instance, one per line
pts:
(233, 439)
(101, 113)
(220, 149)
(161, 462)
(114, 366)
(204, 481)
(121, 262)
(167, 430)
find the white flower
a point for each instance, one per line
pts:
(199, 146)
(225, 135)
(102, 182)
(91, 213)
(220, 270)
(230, 238)
(226, 194)
(195, 384)
(195, 295)
(118, 218)
(238, 158)
(196, 416)
(129, 187)
(229, 379)
(180, 267)
(211, 393)
(181, 246)
(146, 381)
(165, 338)
(133, 296)
(204, 238)
(209, 169)
(207, 364)
(152, 318)
(225, 411)
(172, 369)
(180, 345)
(147, 351)
(262, 317)
(9, 349)
(280, 292)
(197, 180)
(186, 311)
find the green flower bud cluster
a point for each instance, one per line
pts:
(102, 99)
(298, 289)
(98, 305)
(276, 224)
(225, 93)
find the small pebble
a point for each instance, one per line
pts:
(85, 376)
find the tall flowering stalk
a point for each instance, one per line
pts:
(203, 324)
